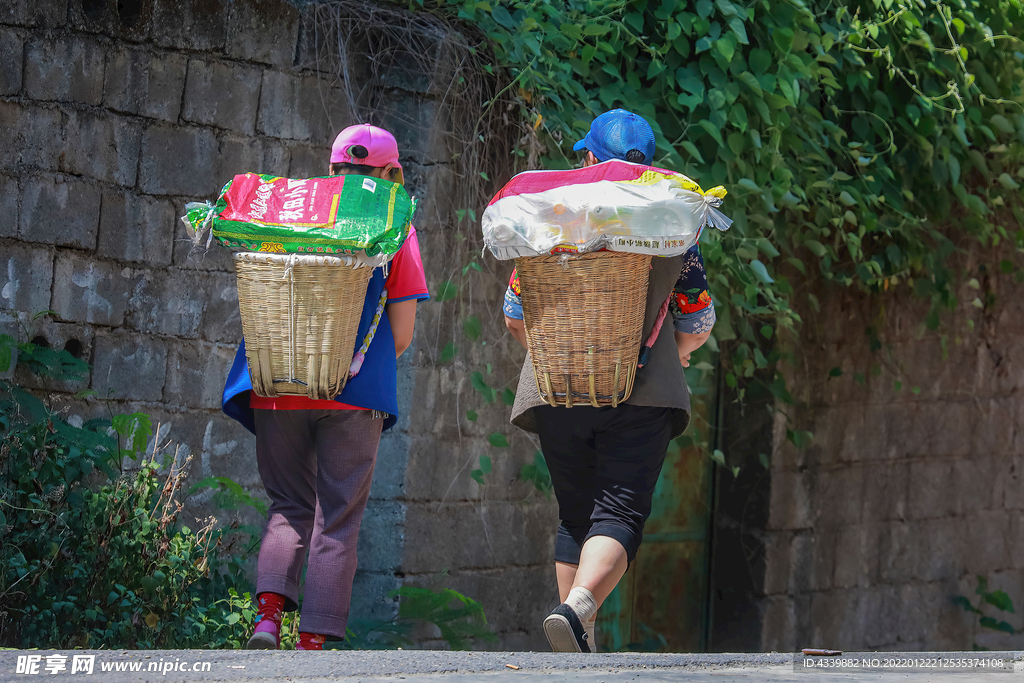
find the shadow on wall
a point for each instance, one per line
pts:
(910, 488)
(740, 513)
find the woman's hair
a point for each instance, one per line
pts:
(360, 169)
(634, 156)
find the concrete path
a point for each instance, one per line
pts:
(422, 666)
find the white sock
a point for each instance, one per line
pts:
(582, 602)
(591, 628)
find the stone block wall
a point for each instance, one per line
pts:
(911, 486)
(118, 113)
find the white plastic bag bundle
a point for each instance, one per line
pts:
(615, 205)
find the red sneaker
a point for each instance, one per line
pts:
(267, 635)
(310, 641)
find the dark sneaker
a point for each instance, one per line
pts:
(564, 630)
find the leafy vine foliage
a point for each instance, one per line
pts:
(995, 598)
(860, 142)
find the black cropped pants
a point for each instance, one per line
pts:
(604, 465)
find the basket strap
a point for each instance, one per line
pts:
(645, 352)
(357, 360)
(289, 273)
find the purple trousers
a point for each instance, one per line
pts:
(317, 466)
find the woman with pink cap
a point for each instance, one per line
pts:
(316, 458)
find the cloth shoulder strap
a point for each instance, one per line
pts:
(645, 350)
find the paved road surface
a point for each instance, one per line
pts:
(421, 666)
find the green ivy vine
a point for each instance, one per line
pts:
(862, 142)
(534, 472)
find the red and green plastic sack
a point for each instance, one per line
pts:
(341, 215)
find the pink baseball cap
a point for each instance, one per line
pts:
(379, 145)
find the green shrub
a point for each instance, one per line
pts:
(93, 556)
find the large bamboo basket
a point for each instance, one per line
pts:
(584, 317)
(300, 317)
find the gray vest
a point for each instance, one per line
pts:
(660, 383)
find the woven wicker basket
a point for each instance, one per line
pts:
(584, 316)
(300, 317)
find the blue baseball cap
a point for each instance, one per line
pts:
(614, 133)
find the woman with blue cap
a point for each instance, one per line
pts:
(605, 461)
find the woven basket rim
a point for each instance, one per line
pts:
(572, 255)
(299, 259)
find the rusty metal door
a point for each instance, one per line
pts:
(662, 601)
